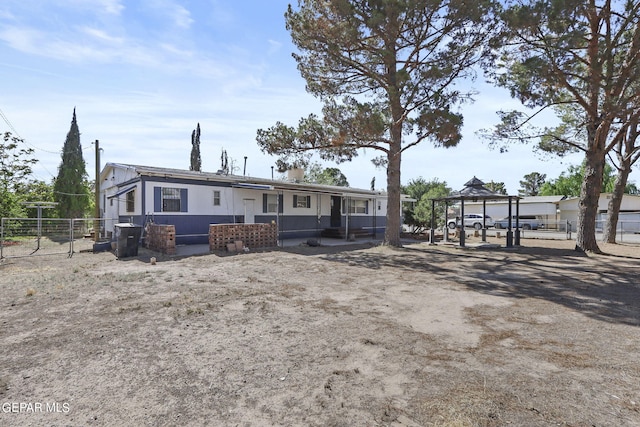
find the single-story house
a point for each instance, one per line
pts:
(192, 200)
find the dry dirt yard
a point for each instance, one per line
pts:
(350, 336)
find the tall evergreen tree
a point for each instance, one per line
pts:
(70, 186)
(196, 160)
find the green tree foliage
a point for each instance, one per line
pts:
(196, 159)
(569, 183)
(386, 72)
(16, 163)
(531, 183)
(316, 174)
(496, 187)
(581, 58)
(37, 191)
(419, 215)
(71, 188)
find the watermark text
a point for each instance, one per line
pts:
(35, 408)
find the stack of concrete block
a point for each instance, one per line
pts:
(252, 236)
(161, 238)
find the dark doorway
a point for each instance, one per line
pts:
(336, 211)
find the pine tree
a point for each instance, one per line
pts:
(70, 186)
(386, 72)
(196, 160)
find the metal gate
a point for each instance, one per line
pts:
(21, 237)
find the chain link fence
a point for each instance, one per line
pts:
(21, 237)
(626, 231)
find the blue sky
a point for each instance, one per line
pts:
(142, 73)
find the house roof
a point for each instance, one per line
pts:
(243, 181)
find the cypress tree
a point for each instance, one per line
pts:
(196, 161)
(70, 187)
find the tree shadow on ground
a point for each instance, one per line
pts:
(607, 291)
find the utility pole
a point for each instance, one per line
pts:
(96, 224)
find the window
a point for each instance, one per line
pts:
(166, 199)
(216, 198)
(170, 200)
(270, 203)
(131, 201)
(301, 201)
(358, 206)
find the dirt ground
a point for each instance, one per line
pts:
(538, 335)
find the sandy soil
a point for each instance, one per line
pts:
(349, 336)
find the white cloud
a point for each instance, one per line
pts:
(109, 7)
(274, 46)
(112, 7)
(102, 35)
(6, 14)
(21, 39)
(182, 17)
(179, 15)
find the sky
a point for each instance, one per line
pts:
(141, 74)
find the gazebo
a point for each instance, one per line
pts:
(475, 190)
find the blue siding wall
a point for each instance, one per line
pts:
(194, 229)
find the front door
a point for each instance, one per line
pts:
(336, 211)
(249, 212)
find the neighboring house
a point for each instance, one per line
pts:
(192, 200)
(554, 211)
(544, 208)
(629, 210)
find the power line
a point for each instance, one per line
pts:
(15, 132)
(71, 194)
(6, 120)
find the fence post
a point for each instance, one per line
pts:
(621, 224)
(1, 238)
(71, 237)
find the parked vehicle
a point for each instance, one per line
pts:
(524, 222)
(471, 220)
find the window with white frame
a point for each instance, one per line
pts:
(301, 201)
(270, 203)
(170, 199)
(130, 198)
(358, 206)
(216, 198)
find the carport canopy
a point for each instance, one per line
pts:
(474, 190)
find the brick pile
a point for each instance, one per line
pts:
(252, 236)
(161, 238)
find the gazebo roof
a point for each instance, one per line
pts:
(474, 189)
